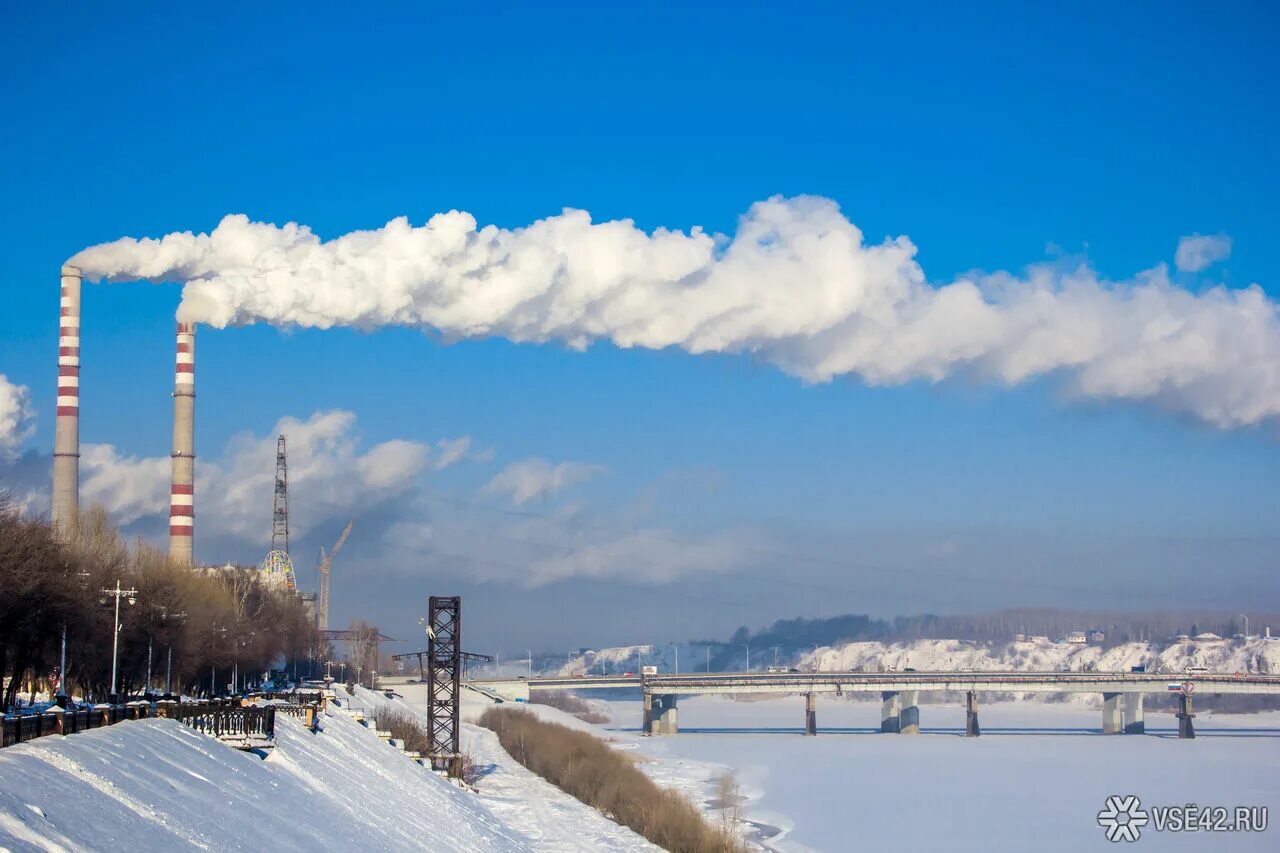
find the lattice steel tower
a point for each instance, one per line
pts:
(278, 567)
(280, 509)
(444, 657)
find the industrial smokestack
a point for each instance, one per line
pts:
(182, 492)
(66, 441)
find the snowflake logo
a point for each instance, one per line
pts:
(1122, 818)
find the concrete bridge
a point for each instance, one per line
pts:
(1122, 692)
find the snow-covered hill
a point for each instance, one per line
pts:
(1226, 656)
(156, 785)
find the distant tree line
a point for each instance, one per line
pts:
(797, 635)
(213, 622)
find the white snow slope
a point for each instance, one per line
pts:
(156, 785)
(553, 820)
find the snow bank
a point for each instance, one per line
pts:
(156, 785)
(553, 820)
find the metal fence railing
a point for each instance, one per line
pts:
(222, 718)
(56, 721)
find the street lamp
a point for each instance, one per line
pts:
(61, 698)
(530, 663)
(117, 593)
(747, 646)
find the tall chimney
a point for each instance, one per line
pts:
(182, 493)
(66, 439)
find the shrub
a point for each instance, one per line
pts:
(588, 769)
(568, 703)
(409, 730)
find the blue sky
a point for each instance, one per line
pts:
(994, 138)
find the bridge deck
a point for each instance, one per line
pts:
(876, 682)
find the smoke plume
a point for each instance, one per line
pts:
(796, 286)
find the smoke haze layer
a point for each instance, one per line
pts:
(796, 286)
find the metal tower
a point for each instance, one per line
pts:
(277, 568)
(444, 658)
(280, 511)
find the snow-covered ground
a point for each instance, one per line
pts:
(156, 785)
(1035, 780)
(552, 820)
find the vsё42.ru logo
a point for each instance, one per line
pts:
(1123, 818)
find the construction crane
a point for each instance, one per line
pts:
(322, 609)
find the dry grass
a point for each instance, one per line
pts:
(407, 729)
(587, 768)
(568, 703)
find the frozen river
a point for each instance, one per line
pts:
(1035, 780)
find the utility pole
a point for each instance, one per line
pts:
(747, 646)
(530, 663)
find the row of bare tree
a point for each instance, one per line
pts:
(209, 623)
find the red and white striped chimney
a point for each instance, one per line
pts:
(182, 491)
(66, 439)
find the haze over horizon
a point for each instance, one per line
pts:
(705, 349)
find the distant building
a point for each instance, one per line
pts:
(1207, 635)
(1077, 637)
(1019, 638)
(1096, 636)
(1040, 639)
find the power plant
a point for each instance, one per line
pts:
(277, 568)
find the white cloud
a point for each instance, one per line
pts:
(128, 487)
(16, 417)
(797, 286)
(537, 478)
(450, 451)
(1197, 252)
(330, 477)
(642, 556)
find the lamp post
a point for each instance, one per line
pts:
(61, 698)
(747, 646)
(676, 649)
(165, 616)
(117, 593)
(530, 663)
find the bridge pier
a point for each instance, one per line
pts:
(667, 719)
(971, 728)
(1111, 714)
(1134, 724)
(890, 708)
(646, 725)
(910, 717)
(811, 713)
(1186, 729)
